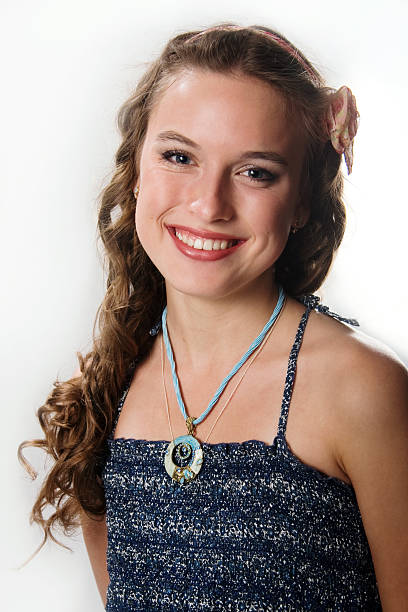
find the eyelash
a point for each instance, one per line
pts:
(270, 179)
(167, 155)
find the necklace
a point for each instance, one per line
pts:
(184, 455)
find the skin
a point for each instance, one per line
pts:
(349, 411)
(212, 190)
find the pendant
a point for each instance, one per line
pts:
(183, 459)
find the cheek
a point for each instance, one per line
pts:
(143, 218)
(272, 233)
(271, 211)
(274, 220)
(145, 230)
(151, 200)
(144, 223)
(151, 208)
(158, 190)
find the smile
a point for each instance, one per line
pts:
(203, 245)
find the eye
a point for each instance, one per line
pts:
(260, 175)
(177, 157)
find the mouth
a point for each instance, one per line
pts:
(202, 240)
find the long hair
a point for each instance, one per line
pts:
(78, 414)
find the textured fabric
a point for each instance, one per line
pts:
(256, 530)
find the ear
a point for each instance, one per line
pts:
(302, 211)
(303, 214)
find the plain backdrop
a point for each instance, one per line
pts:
(66, 68)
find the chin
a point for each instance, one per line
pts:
(198, 290)
(207, 288)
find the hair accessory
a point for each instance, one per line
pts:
(214, 29)
(184, 456)
(278, 39)
(292, 51)
(342, 123)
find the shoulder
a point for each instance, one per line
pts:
(360, 388)
(371, 403)
(376, 380)
(369, 400)
(363, 379)
(368, 375)
(366, 385)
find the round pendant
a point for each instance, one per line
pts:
(183, 459)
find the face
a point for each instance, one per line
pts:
(219, 184)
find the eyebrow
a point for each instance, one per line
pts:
(267, 155)
(178, 138)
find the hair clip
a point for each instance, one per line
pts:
(342, 123)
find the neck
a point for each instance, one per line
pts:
(208, 335)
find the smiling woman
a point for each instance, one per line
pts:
(229, 186)
(242, 176)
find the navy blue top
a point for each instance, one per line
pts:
(257, 529)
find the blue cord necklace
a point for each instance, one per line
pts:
(184, 455)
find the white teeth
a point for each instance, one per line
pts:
(204, 244)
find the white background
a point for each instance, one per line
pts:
(66, 68)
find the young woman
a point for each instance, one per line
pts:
(230, 443)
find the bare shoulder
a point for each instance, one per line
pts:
(376, 380)
(371, 401)
(369, 397)
(364, 367)
(345, 348)
(364, 380)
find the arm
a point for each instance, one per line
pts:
(373, 448)
(96, 542)
(95, 535)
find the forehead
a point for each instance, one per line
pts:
(226, 110)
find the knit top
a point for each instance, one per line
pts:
(257, 529)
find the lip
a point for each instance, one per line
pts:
(203, 233)
(201, 254)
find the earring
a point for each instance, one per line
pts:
(136, 192)
(294, 228)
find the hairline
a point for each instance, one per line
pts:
(167, 80)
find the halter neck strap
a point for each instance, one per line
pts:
(312, 302)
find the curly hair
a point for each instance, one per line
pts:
(78, 415)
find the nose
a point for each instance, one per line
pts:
(212, 200)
